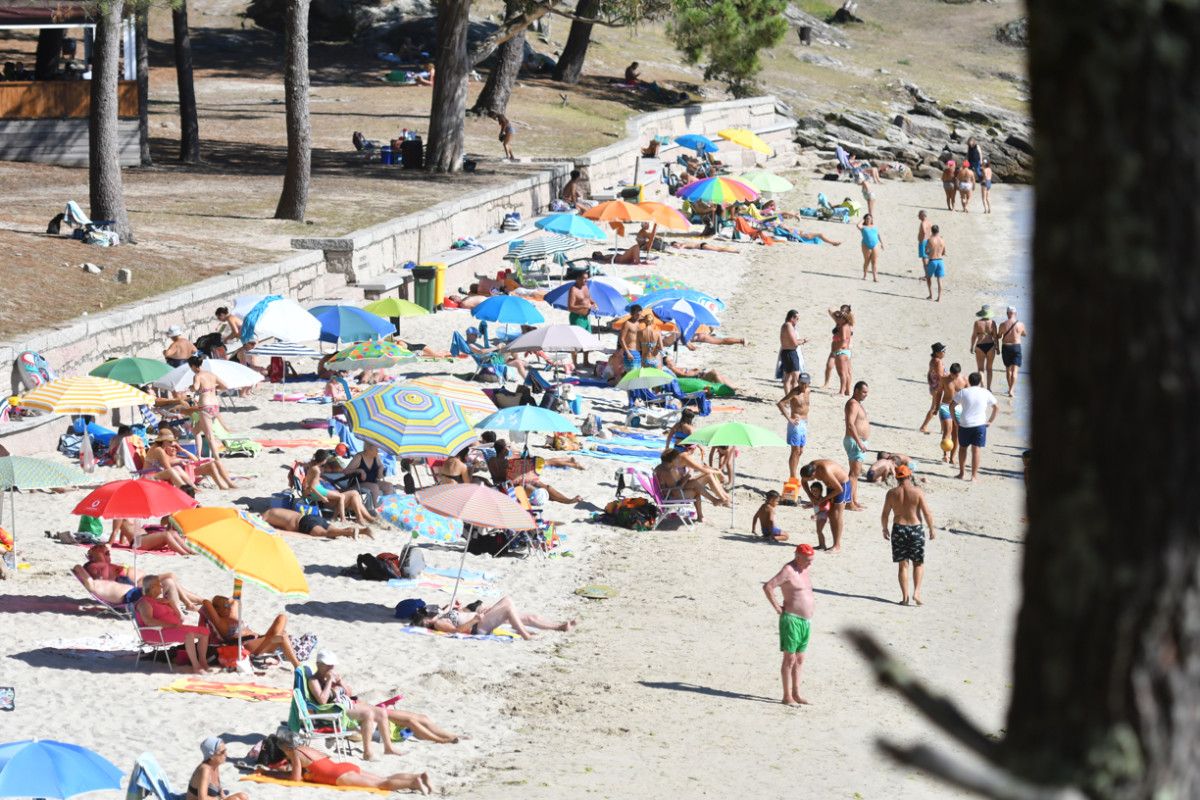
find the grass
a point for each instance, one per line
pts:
(818, 8)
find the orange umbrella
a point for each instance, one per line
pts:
(617, 211)
(670, 218)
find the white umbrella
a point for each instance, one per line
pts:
(281, 317)
(556, 338)
(231, 373)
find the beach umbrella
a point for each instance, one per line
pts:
(609, 301)
(285, 350)
(375, 354)
(572, 225)
(717, 191)
(665, 216)
(25, 473)
(686, 315)
(543, 247)
(46, 768)
(266, 316)
(698, 142)
(231, 373)
(410, 422)
(404, 512)
(467, 396)
(617, 211)
(349, 324)
(509, 310)
(625, 287)
(84, 395)
(133, 371)
(735, 434)
(528, 419)
(654, 282)
(395, 308)
(766, 181)
(134, 499)
(651, 299)
(644, 378)
(555, 339)
(746, 138)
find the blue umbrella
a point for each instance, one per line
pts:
(528, 419)
(713, 304)
(695, 141)
(686, 315)
(508, 310)
(45, 768)
(349, 324)
(572, 225)
(609, 302)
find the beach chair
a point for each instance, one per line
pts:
(311, 720)
(484, 362)
(121, 611)
(151, 643)
(670, 503)
(147, 779)
(230, 444)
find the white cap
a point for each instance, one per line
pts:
(1012, 309)
(174, 331)
(210, 746)
(327, 657)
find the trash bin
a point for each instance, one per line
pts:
(385, 154)
(439, 283)
(424, 283)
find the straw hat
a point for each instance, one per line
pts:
(165, 435)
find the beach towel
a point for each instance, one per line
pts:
(253, 692)
(106, 645)
(499, 635)
(330, 442)
(727, 409)
(616, 457)
(251, 319)
(256, 778)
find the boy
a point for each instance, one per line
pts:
(765, 517)
(821, 506)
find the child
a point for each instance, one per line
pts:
(821, 506)
(765, 517)
(726, 458)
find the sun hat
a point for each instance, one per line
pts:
(327, 657)
(984, 312)
(938, 347)
(174, 331)
(903, 472)
(210, 746)
(950, 163)
(165, 435)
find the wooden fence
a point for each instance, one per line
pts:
(59, 99)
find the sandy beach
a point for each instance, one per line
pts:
(673, 685)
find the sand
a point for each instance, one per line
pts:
(672, 685)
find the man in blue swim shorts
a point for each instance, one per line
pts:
(935, 267)
(855, 442)
(794, 407)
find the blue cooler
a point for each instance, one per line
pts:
(385, 154)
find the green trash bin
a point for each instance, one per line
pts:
(424, 287)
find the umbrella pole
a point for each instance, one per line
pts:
(732, 485)
(12, 511)
(243, 664)
(470, 530)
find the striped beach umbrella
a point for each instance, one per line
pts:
(245, 545)
(543, 247)
(467, 396)
(375, 354)
(84, 395)
(284, 350)
(718, 191)
(403, 511)
(410, 422)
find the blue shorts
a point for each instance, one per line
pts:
(944, 411)
(632, 359)
(936, 268)
(853, 451)
(921, 249)
(973, 437)
(797, 434)
(847, 493)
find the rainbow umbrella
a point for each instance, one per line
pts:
(654, 282)
(408, 515)
(410, 422)
(718, 191)
(744, 137)
(467, 396)
(375, 354)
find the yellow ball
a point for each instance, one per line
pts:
(947, 445)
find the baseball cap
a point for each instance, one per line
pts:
(210, 746)
(327, 657)
(806, 549)
(902, 472)
(805, 377)
(174, 331)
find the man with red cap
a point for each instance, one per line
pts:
(795, 617)
(907, 507)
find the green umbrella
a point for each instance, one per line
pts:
(735, 434)
(22, 472)
(394, 309)
(644, 378)
(766, 181)
(134, 371)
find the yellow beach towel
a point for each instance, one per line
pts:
(253, 692)
(256, 778)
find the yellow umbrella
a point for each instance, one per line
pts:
(746, 138)
(466, 396)
(390, 307)
(84, 395)
(245, 545)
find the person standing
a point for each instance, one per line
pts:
(983, 342)
(979, 409)
(794, 407)
(1011, 334)
(975, 158)
(935, 264)
(841, 350)
(923, 234)
(856, 441)
(933, 377)
(872, 246)
(180, 349)
(791, 360)
(867, 194)
(966, 185)
(795, 618)
(952, 382)
(950, 183)
(837, 491)
(985, 187)
(627, 339)
(579, 306)
(506, 136)
(907, 506)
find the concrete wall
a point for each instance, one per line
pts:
(61, 141)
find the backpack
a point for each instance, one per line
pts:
(371, 568)
(407, 609)
(489, 544)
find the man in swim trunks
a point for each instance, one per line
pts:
(935, 265)
(791, 361)
(1010, 334)
(837, 489)
(627, 340)
(285, 519)
(180, 349)
(795, 615)
(794, 407)
(580, 306)
(855, 442)
(923, 234)
(907, 507)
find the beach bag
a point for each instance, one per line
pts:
(69, 444)
(303, 645)
(371, 568)
(275, 371)
(591, 426)
(92, 526)
(406, 610)
(391, 563)
(632, 513)
(486, 544)
(228, 655)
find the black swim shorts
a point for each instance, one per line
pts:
(1010, 354)
(790, 359)
(908, 543)
(310, 521)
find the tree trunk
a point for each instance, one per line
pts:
(569, 68)
(294, 199)
(509, 58)
(447, 114)
(106, 193)
(189, 120)
(1107, 651)
(49, 47)
(515, 23)
(142, 32)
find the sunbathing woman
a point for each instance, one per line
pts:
(153, 612)
(180, 467)
(703, 246)
(673, 483)
(341, 502)
(703, 335)
(325, 686)
(128, 532)
(282, 756)
(223, 615)
(481, 623)
(205, 782)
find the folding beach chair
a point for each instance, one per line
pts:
(122, 611)
(151, 642)
(147, 779)
(305, 716)
(670, 503)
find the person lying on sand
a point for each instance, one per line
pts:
(152, 611)
(710, 375)
(282, 756)
(717, 248)
(884, 468)
(703, 335)
(631, 256)
(224, 616)
(154, 537)
(481, 623)
(285, 519)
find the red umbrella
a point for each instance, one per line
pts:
(134, 499)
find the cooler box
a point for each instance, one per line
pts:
(424, 287)
(385, 154)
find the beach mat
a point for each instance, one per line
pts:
(499, 635)
(328, 442)
(256, 778)
(253, 692)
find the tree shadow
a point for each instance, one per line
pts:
(57, 658)
(851, 596)
(677, 686)
(977, 535)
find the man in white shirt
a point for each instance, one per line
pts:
(979, 409)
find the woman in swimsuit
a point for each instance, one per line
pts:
(341, 502)
(933, 377)
(949, 184)
(153, 612)
(483, 622)
(872, 246)
(180, 467)
(839, 351)
(830, 362)
(205, 782)
(983, 342)
(966, 185)
(506, 135)
(985, 187)
(128, 532)
(370, 472)
(282, 756)
(455, 469)
(207, 388)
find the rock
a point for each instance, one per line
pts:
(340, 19)
(821, 31)
(1019, 143)
(867, 123)
(818, 59)
(927, 110)
(1015, 33)
(929, 128)
(973, 115)
(91, 268)
(124, 276)
(916, 93)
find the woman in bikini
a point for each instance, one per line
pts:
(985, 187)
(282, 756)
(205, 783)
(483, 622)
(983, 342)
(949, 184)
(455, 469)
(341, 502)
(180, 467)
(207, 388)
(839, 349)
(933, 377)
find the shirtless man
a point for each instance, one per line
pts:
(790, 358)
(795, 617)
(884, 468)
(572, 193)
(953, 382)
(923, 234)
(580, 306)
(309, 524)
(935, 264)
(907, 507)
(858, 431)
(837, 487)
(230, 321)
(794, 407)
(207, 387)
(180, 349)
(1010, 333)
(933, 377)
(627, 340)
(966, 184)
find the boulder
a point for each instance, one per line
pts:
(341, 19)
(1015, 33)
(867, 123)
(1019, 143)
(929, 128)
(927, 110)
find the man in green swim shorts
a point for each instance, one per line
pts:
(795, 617)
(580, 305)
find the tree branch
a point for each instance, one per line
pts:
(587, 20)
(507, 30)
(981, 778)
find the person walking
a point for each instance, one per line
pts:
(791, 360)
(924, 231)
(906, 506)
(979, 409)
(933, 377)
(795, 618)
(855, 442)
(1010, 335)
(794, 407)
(935, 263)
(983, 342)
